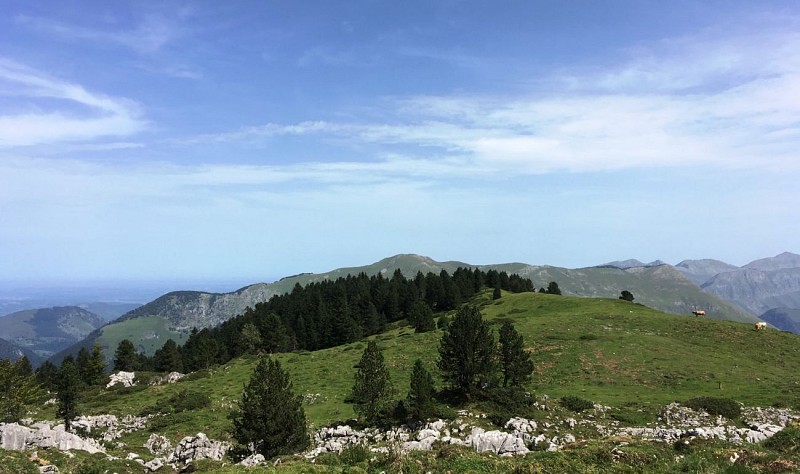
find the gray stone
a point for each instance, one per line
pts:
(158, 444)
(498, 442)
(192, 448)
(127, 379)
(154, 465)
(252, 460)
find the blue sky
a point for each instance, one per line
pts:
(253, 140)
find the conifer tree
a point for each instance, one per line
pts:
(553, 289)
(420, 393)
(515, 363)
(168, 358)
(18, 387)
(467, 351)
(372, 390)
(47, 375)
(421, 317)
(95, 369)
(250, 341)
(67, 396)
(270, 419)
(125, 356)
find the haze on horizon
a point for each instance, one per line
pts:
(251, 140)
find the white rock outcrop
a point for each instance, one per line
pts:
(192, 448)
(127, 379)
(17, 438)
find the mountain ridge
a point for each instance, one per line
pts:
(45, 331)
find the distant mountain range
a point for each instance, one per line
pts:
(11, 351)
(46, 331)
(174, 314)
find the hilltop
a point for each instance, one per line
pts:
(174, 314)
(46, 331)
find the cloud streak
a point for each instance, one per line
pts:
(86, 116)
(149, 36)
(724, 102)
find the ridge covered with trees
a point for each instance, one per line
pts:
(330, 313)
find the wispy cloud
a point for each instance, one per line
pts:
(83, 115)
(149, 36)
(727, 102)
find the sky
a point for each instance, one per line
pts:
(252, 140)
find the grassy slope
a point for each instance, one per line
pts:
(608, 351)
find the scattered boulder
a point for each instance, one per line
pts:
(127, 379)
(192, 448)
(252, 460)
(154, 465)
(171, 377)
(158, 444)
(498, 442)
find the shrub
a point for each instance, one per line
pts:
(576, 404)
(786, 441)
(726, 407)
(443, 322)
(186, 400)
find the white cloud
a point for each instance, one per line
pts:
(721, 100)
(82, 116)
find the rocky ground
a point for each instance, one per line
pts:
(555, 429)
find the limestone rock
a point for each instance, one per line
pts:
(192, 448)
(158, 444)
(498, 442)
(252, 460)
(154, 465)
(127, 379)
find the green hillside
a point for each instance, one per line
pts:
(629, 357)
(606, 350)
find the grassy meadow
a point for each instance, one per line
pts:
(609, 351)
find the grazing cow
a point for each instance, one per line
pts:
(761, 325)
(699, 312)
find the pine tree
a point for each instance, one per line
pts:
(515, 363)
(82, 361)
(421, 317)
(467, 351)
(168, 358)
(553, 289)
(420, 393)
(95, 370)
(372, 390)
(47, 376)
(250, 339)
(68, 395)
(626, 295)
(270, 419)
(125, 356)
(18, 387)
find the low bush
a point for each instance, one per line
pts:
(576, 404)
(786, 441)
(726, 407)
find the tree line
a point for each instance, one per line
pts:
(323, 314)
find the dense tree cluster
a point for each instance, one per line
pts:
(469, 357)
(330, 313)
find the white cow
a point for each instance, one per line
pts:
(761, 325)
